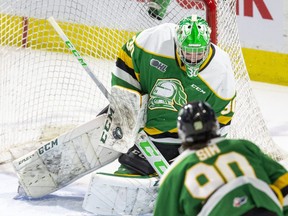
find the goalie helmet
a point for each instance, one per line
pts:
(193, 42)
(197, 123)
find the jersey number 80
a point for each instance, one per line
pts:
(216, 174)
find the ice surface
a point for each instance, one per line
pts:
(273, 103)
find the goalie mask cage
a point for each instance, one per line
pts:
(45, 92)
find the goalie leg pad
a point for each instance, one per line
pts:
(116, 195)
(64, 160)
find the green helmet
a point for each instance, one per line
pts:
(193, 42)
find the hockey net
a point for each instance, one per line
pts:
(45, 92)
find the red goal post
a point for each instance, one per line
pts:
(43, 90)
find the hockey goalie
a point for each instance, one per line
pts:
(157, 71)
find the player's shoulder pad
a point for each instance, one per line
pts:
(219, 74)
(158, 40)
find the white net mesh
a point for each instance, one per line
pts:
(44, 91)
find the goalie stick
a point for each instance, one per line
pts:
(69, 44)
(146, 146)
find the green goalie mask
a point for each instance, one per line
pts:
(193, 42)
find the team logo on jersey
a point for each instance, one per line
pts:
(166, 93)
(159, 65)
(239, 201)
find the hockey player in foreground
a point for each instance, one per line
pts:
(158, 70)
(218, 176)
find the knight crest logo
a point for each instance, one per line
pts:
(159, 65)
(166, 93)
(239, 201)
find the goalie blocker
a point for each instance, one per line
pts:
(85, 148)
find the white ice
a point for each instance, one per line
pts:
(273, 103)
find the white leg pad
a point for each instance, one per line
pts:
(64, 159)
(116, 195)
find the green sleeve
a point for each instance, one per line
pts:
(125, 74)
(168, 197)
(274, 169)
